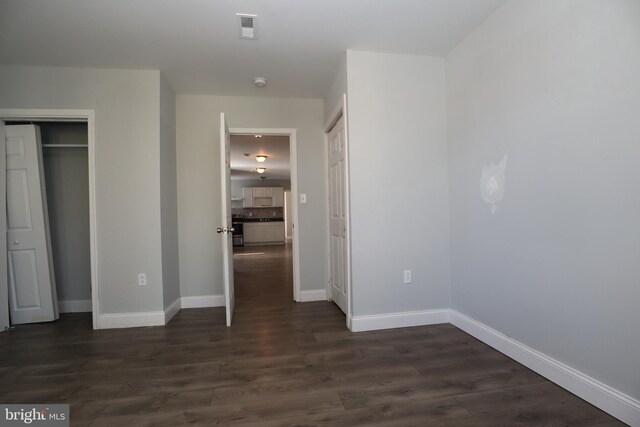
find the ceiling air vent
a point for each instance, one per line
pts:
(247, 26)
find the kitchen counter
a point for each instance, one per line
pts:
(261, 232)
(261, 219)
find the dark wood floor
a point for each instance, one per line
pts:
(280, 364)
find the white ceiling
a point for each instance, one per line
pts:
(244, 167)
(196, 44)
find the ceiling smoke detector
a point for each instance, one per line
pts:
(247, 26)
(260, 82)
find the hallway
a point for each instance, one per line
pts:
(263, 275)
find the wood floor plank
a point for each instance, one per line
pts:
(280, 364)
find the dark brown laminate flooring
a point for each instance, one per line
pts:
(280, 364)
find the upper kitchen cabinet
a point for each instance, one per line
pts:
(267, 197)
(263, 191)
(278, 197)
(247, 201)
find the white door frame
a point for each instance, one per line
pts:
(340, 110)
(72, 115)
(293, 164)
(4, 285)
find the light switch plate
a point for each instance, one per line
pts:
(303, 198)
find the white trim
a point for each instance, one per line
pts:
(314, 295)
(74, 306)
(339, 110)
(132, 320)
(77, 115)
(202, 301)
(593, 391)
(335, 114)
(172, 310)
(4, 286)
(327, 220)
(293, 165)
(397, 320)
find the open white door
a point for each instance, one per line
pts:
(32, 289)
(4, 290)
(338, 215)
(227, 225)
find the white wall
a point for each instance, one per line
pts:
(169, 195)
(127, 129)
(337, 88)
(199, 182)
(554, 85)
(399, 191)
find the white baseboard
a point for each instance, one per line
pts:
(132, 320)
(203, 301)
(398, 320)
(593, 391)
(75, 306)
(158, 318)
(172, 310)
(315, 295)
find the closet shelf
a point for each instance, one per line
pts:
(64, 146)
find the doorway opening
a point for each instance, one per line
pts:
(50, 225)
(262, 214)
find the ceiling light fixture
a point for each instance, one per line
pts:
(260, 158)
(257, 136)
(261, 170)
(260, 82)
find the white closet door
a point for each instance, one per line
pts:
(338, 216)
(4, 290)
(32, 291)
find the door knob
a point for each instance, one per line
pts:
(16, 242)
(220, 230)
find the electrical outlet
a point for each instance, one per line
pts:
(407, 277)
(142, 279)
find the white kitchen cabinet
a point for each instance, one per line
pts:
(278, 197)
(247, 201)
(264, 232)
(255, 197)
(263, 191)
